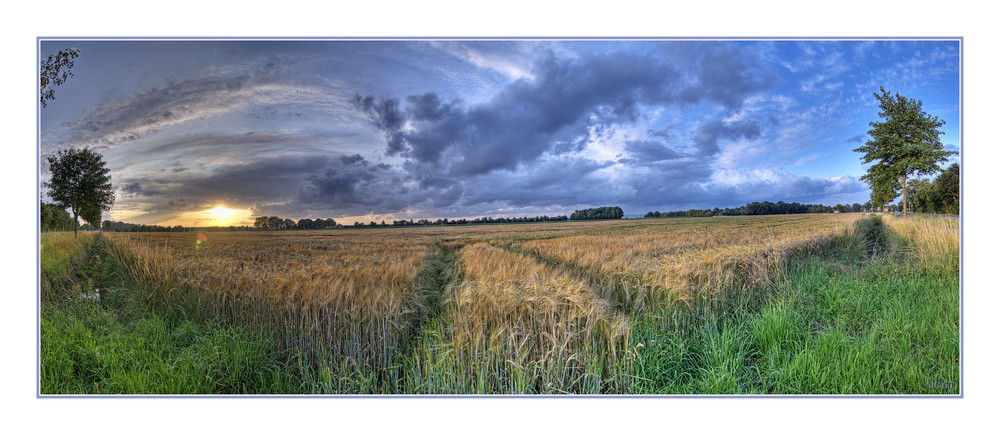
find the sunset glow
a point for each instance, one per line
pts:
(220, 212)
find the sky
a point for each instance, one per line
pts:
(407, 129)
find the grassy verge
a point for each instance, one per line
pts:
(97, 337)
(840, 323)
(58, 252)
(87, 349)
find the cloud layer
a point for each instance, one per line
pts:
(470, 128)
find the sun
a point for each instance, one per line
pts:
(220, 212)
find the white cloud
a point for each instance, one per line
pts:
(512, 60)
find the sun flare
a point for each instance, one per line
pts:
(220, 212)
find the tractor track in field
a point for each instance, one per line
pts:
(606, 290)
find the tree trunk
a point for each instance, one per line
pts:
(905, 204)
(76, 223)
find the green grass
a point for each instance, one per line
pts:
(118, 345)
(86, 349)
(57, 253)
(838, 324)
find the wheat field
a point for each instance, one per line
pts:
(538, 307)
(678, 260)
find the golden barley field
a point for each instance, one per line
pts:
(351, 293)
(675, 259)
(488, 308)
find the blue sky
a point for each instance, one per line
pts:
(384, 130)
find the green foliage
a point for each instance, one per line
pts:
(925, 196)
(885, 189)
(948, 185)
(940, 196)
(906, 143)
(757, 209)
(54, 218)
(55, 70)
(81, 182)
(275, 222)
(598, 213)
(91, 213)
(699, 213)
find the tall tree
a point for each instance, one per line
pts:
(54, 72)
(80, 182)
(906, 143)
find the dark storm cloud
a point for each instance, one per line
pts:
(427, 107)
(555, 181)
(353, 185)
(350, 160)
(663, 133)
(384, 115)
(554, 111)
(266, 179)
(335, 186)
(708, 135)
(139, 190)
(719, 74)
(183, 204)
(648, 151)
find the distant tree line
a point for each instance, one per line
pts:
(597, 213)
(53, 217)
(274, 223)
(763, 208)
(464, 221)
(781, 207)
(689, 213)
(277, 223)
(123, 227)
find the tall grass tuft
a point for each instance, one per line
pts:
(929, 241)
